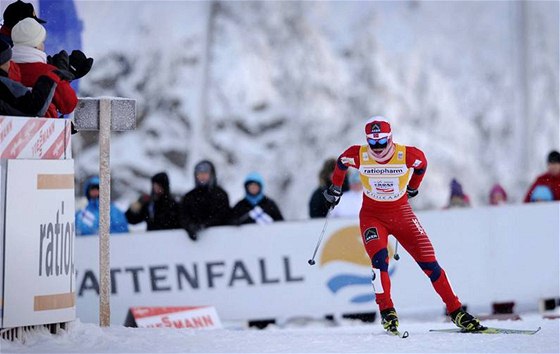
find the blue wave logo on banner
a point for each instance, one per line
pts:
(345, 245)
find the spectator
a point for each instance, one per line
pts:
(255, 207)
(14, 13)
(351, 204)
(317, 206)
(18, 100)
(541, 193)
(19, 10)
(551, 178)
(498, 195)
(87, 219)
(457, 198)
(159, 209)
(29, 36)
(207, 204)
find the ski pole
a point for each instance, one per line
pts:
(396, 255)
(312, 260)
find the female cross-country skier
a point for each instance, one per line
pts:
(391, 174)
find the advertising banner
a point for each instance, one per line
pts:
(35, 138)
(260, 272)
(39, 283)
(203, 317)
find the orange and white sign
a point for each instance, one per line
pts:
(202, 317)
(35, 138)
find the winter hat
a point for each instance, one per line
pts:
(206, 166)
(5, 52)
(28, 32)
(377, 127)
(163, 180)
(254, 177)
(456, 189)
(541, 194)
(203, 166)
(92, 182)
(554, 157)
(379, 138)
(17, 11)
(497, 189)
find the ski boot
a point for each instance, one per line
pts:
(389, 320)
(465, 321)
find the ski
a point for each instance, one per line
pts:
(489, 330)
(397, 333)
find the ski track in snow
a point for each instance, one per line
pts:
(311, 337)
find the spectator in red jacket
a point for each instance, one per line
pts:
(18, 100)
(19, 10)
(550, 179)
(29, 36)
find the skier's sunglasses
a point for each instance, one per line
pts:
(380, 142)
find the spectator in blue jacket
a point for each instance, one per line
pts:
(87, 219)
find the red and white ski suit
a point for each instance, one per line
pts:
(385, 210)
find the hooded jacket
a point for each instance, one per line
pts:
(255, 208)
(18, 100)
(87, 219)
(546, 179)
(159, 212)
(206, 205)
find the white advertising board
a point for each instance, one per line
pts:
(39, 285)
(257, 272)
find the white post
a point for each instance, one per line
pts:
(104, 211)
(97, 114)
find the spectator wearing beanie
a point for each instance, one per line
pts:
(159, 210)
(256, 207)
(498, 195)
(550, 179)
(18, 100)
(29, 37)
(457, 198)
(14, 13)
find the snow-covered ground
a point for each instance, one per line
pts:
(295, 337)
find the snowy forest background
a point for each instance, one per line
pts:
(280, 86)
